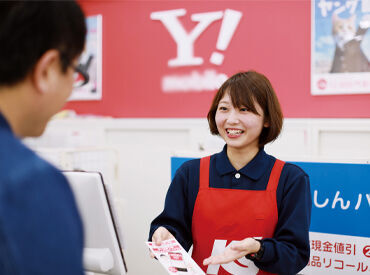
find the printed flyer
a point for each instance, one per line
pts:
(174, 258)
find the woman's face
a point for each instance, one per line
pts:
(239, 127)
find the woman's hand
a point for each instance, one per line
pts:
(160, 235)
(234, 251)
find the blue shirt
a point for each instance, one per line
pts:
(40, 228)
(289, 250)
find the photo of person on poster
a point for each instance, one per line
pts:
(240, 205)
(340, 47)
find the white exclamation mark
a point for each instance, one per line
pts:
(229, 23)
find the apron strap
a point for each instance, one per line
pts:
(275, 175)
(204, 173)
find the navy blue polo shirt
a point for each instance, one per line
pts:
(40, 228)
(288, 251)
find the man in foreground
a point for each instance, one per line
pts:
(40, 228)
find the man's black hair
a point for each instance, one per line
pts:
(30, 28)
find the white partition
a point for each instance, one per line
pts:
(103, 243)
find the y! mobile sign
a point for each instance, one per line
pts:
(208, 79)
(166, 59)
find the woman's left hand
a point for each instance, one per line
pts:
(234, 251)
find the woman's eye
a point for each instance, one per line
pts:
(244, 109)
(222, 108)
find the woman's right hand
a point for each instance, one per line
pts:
(160, 235)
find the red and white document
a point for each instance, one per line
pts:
(174, 258)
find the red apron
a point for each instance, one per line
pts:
(224, 215)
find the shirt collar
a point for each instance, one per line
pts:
(254, 169)
(4, 123)
(223, 164)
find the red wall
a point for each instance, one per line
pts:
(273, 37)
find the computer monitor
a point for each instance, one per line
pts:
(103, 248)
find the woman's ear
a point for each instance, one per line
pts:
(266, 124)
(46, 71)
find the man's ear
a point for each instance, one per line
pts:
(46, 70)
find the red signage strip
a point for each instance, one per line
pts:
(166, 59)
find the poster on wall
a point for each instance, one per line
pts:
(340, 50)
(90, 62)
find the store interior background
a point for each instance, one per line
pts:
(131, 134)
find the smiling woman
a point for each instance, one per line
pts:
(246, 114)
(244, 211)
(254, 93)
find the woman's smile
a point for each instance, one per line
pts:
(234, 132)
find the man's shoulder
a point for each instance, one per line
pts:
(12, 148)
(20, 165)
(36, 194)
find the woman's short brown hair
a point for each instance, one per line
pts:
(246, 88)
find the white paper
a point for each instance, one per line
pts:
(174, 258)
